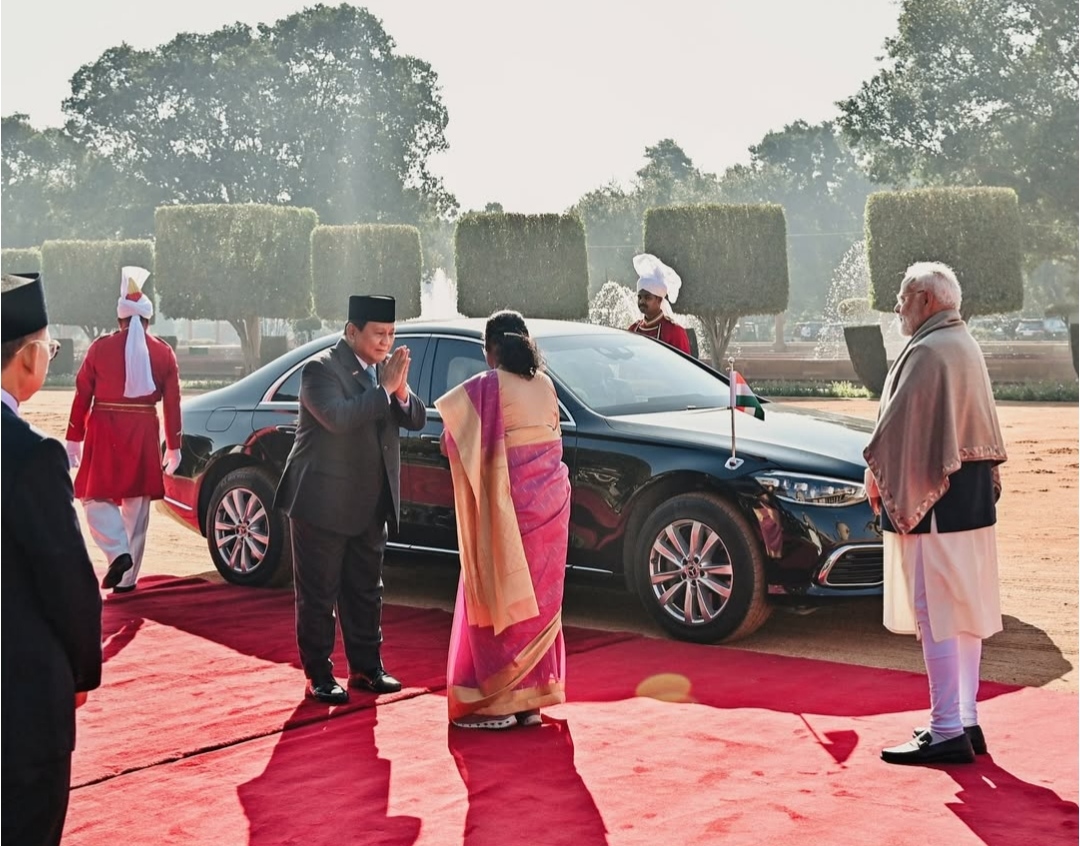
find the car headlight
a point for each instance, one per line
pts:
(811, 490)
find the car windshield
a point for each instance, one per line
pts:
(630, 374)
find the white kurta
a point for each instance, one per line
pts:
(961, 572)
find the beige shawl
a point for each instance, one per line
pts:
(937, 411)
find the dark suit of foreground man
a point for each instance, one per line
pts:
(340, 489)
(51, 605)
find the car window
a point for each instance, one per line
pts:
(289, 390)
(417, 345)
(630, 374)
(455, 361)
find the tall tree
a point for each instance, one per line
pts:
(980, 92)
(238, 262)
(614, 216)
(55, 188)
(32, 168)
(317, 110)
(814, 175)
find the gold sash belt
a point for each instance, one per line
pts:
(137, 407)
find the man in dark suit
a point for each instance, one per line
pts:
(50, 602)
(340, 488)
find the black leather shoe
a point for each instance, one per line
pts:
(121, 564)
(123, 589)
(955, 750)
(328, 691)
(974, 733)
(376, 681)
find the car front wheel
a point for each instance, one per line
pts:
(699, 570)
(248, 539)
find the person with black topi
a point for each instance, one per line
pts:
(51, 604)
(340, 488)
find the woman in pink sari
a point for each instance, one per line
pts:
(512, 498)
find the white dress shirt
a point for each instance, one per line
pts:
(9, 401)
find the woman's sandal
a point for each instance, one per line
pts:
(529, 718)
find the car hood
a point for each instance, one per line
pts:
(792, 437)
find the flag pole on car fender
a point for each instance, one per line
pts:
(732, 463)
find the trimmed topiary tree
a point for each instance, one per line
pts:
(82, 280)
(238, 263)
(536, 264)
(732, 260)
(976, 231)
(20, 260)
(365, 259)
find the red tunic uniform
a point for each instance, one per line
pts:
(666, 330)
(122, 450)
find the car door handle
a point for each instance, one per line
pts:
(430, 438)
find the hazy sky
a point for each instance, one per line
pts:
(546, 100)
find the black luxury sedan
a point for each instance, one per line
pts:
(647, 438)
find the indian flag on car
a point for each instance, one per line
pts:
(743, 398)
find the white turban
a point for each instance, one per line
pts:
(133, 303)
(658, 279)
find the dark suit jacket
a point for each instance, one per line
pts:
(347, 446)
(51, 606)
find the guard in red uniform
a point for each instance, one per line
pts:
(658, 286)
(122, 378)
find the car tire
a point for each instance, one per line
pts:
(699, 570)
(248, 538)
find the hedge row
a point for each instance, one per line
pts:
(732, 258)
(536, 264)
(976, 231)
(234, 262)
(368, 259)
(20, 260)
(82, 279)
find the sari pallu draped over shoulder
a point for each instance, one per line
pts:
(512, 506)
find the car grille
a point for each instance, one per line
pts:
(858, 565)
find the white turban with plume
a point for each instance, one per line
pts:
(133, 303)
(658, 279)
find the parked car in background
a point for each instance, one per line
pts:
(646, 434)
(990, 329)
(1044, 328)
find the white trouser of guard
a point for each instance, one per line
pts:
(117, 529)
(952, 668)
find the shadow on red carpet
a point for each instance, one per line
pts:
(671, 742)
(194, 666)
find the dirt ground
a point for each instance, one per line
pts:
(1038, 545)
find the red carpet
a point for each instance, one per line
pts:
(194, 666)
(757, 749)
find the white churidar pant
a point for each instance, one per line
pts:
(117, 529)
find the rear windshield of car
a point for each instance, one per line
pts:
(616, 374)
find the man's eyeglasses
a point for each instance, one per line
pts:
(52, 346)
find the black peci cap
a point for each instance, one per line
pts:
(22, 306)
(376, 308)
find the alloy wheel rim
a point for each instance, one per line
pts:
(690, 572)
(241, 530)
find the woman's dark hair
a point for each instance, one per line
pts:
(507, 337)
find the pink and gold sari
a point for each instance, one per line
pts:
(512, 498)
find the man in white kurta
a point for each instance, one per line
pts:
(933, 478)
